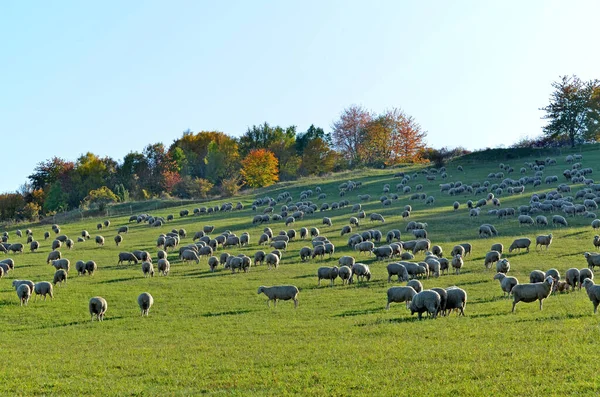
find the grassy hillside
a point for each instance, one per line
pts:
(211, 333)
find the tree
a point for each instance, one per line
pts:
(222, 159)
(101, 197)
(31, 211)
(188, 188)
(406, 138)
(318, 158)
(55, 199)
(349, 131)
(259, 168)
(303, 139)
(574, 110)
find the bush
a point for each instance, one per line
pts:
(230, 186)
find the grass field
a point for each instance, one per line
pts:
(210, 333)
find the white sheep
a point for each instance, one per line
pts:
(43, 288)
(98, 307)
(507, 283)
(24, 293)
(280, 292)
(531, 292)
(145, 301)
(400, 294)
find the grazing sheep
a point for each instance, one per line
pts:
(456, 299)
(457, 263)
(596, 241)
(593, 292)
(327, 221)
(437, 251)
(376, 217)
(583, 274)
(272, 260)
(400, 294)
(98, 307)
(592, 260)
(80, 268)
(190, 255)
(46, 235)
(425, 301)
(346, 229)
(525, 220)
(458, 250)
(520, 243)
(503, 266)
(145, 301)
(362, 271)
(99, 240)
(53, 255)
(383, 252)
(127, 256)
(415, 269)
(490, 258)
(541, 220)
(64, 264)
(467, 247)
(123, 229)
(543, 241)
(421, 245)
(90, 267)
(164, 266)
(327, 273)
(43, 288)
(536, 276)
(34, 246)
(558, 220)
(24, 293)
(397, 269)
(507, 283)
(213, 262)
(118, 239)
(416, 285)
(148, 269)
(572, 277)
(345, 273)
(280, 292)
(531, 292)
(60, 276)
(56, 244)
(497, 247)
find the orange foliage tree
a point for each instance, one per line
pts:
(259, 168)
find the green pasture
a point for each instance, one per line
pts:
(210, 333)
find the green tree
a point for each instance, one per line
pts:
(101, 197)
(56, 199)
(574, 110)
(318, 158)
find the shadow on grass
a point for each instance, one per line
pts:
(228, 313)
(575, 234)
(550, 318)
(118, 280)
(305, 276)
(352, 313)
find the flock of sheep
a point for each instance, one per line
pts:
(387, 246)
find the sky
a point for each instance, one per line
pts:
(112, 77)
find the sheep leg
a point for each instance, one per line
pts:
(295, 303)
(513, 306)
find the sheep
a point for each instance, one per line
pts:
(507, 283)
(541, 220)
(490, 258)
(80, 268)
(419, 233)
(376, 217)
(43, 288)
(345, 273)
(437, 251)
(365, 246)
(17, 283)
(592, 260)
(280, 292)
(456, 205)
(279, 245)
(425, 301)
(596, 241)
(24, 293)
(62, 264)
(457, 263)
(416, 285)
(148, 269)
(362, 271)
(531, 292)
(272, 260)
(458, 250)
(346, 229)
(421, 245)
(123, 229)
(400, 294)
(456, 299)
(543, 241)
(525, 220)
(593, 292)
(558, 220)
(327, 273)
(60, 276)
(164, 266)
(46, 235)
(503, 266)
(327, 221)
(572, 277)
(520, 243)
(555, 274)
(383, 252)
(98, 307)
(99, 240)
(537, 276)
(497, 247)
(398, 270)
(145, 301)
(245, 239)
(415, 269)
(56, 244)
(127, 256)
(8, 263)
(189, 255)
(585, 273)
(118, 239)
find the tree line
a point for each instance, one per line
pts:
(198, 165)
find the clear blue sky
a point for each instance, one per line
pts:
(113, 76)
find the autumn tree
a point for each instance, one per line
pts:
(259, 168)
(318, 158)
(406, 137)
(101, 197)
(348, 132)
(574, 110)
